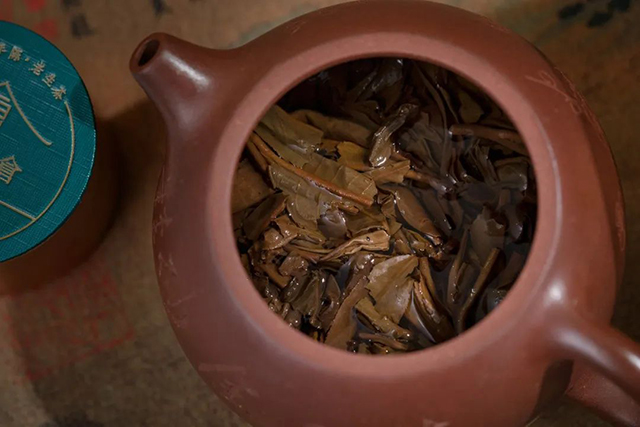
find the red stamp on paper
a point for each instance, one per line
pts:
(62, 323)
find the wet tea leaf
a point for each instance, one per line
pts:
(293, 184)
(291, 131)
(388, 272)
(414, 214)
(382, 323)
(376, 241)
(290, 154)
(341, 176)
(249, 188)
(486, 233)
(345, 324)
(336, 128)
(365, 221)
(394, 299)
(390, 172)
(382, 144)
(353, 156)
(267, 211)
(410, 203)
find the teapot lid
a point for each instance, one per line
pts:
(47, 139)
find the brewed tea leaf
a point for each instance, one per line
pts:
(366, 221)
(414, 214)
(382, 144)
(394, 299)
(435, 321)
(290, 154)
(249, 188)
(470, 110)
(291, 183)
(410, 203)
(382, 323)
(344, 325)
(293, 265)
(332, 299)
(478, 287)
(486, 233)
(376, 241)
(291, 131)
(336, 128)
(353, 156)
(385, 341)
(304, 212)
(333, 224)
(386, 273)
(341, 176)
(267, 211)
(390, 172)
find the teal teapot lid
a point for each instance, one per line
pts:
(47, 139)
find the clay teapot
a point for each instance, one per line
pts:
(551, 335)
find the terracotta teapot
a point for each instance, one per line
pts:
(550, 335)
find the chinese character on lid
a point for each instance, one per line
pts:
(59, 92)
(15, 54)
(37, 68)
(49, 79)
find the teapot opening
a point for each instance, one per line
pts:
(147, 52)
(384, 205)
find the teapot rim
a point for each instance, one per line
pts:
(269, 88)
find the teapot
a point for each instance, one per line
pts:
(550, 336)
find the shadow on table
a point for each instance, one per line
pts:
(96, 346)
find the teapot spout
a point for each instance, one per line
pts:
(178, 77)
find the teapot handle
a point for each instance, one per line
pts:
(606, 377)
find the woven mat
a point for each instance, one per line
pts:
(95, 348)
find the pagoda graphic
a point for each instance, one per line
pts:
(8, 168)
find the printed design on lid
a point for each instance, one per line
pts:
(47, 140)
(9, 166)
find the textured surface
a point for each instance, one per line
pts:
(47, 139)
(95, 348)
